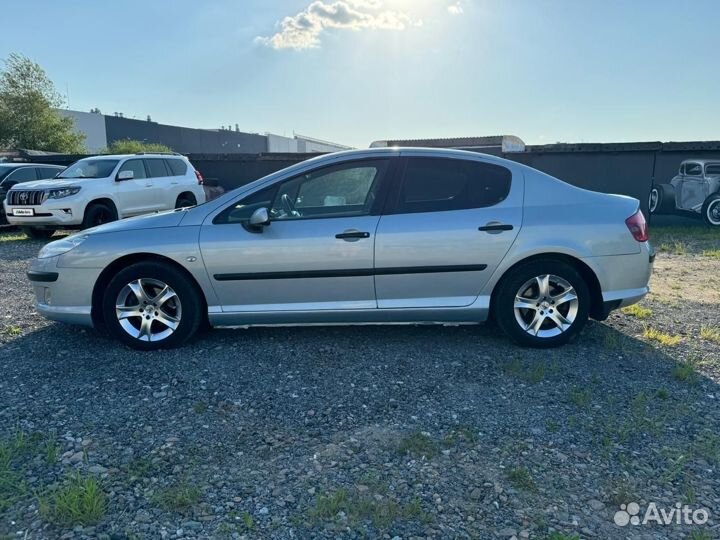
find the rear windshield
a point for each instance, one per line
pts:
(90, 168)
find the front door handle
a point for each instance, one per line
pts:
(494, 227)
(352, 235)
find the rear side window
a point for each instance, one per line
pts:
(438, 184)
(156, 168)
(23, 175)
(713, 170)
(176, 166)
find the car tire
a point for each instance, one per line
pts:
(97, 214)
(152, 305)
(711, 210)
(662, 199)
(37, 234)
(185, 200)
(557, 301)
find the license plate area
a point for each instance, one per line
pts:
(23, 212)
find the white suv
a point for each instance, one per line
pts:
(100, 189)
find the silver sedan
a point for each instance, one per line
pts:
(360, 237)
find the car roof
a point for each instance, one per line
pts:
(21, 165)
(125, 156)
(702, 161)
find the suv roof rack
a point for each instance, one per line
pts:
(158, 154)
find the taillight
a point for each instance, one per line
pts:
(199, 177)
(638, 226)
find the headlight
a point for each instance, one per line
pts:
(61, 193)
(61, 246)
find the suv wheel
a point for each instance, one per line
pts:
(149, 306)
(98, 214)
(711, 210)
(542, 303)
(37, 234)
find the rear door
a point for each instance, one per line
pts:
(448, 226)
(160, 195)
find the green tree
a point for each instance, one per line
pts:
(28, 115)
(130, 146)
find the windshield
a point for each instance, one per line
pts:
(90, 168)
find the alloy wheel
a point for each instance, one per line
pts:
(713, 212)
(148, 310)
(546, 306)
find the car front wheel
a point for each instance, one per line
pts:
(150, 306)
(542, 303)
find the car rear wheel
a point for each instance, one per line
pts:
(98, 214)
(37, 234)
(711, 210)
(662, 199)
(542, 303)
(150, 306)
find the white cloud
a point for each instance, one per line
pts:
(303, 30)
(456, 9)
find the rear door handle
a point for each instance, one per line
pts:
(352, 235)
(494, 227)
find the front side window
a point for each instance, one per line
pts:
(47, 172)
(23, 174)
(693, 169)
(341, 191)
(442, 184)
(90, 168)
(136, 166)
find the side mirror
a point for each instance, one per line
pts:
(260, 218)
(125, 175)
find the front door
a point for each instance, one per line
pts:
(448, 227)
(134, 196)
(694, 188)
(317, 251)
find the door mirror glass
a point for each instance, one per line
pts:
(125, 175)
(260, 217)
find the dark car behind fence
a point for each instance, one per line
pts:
(624, 168)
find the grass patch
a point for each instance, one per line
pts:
(12, 237)
(661, 337)
(685, 372)
(460, 435)
(707, 446)
(662, 393)
(561, 536)
(621, 492)
(200, 407)
(637, 311)
(381, 512)
(712, 253)
(580, 397)
(81, 501)
(675, 247)
(12, 331)
(520, 478)
(532, 373)
(418, 444)
(692, 239)
(50, 451)
(698, 534)
(180, 497)
(709, 333)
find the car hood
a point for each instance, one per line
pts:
(51, 184)
(160, 220)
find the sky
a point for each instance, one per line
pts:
(354, 71)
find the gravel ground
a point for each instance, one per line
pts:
(365, 432)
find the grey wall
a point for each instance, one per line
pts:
(182, 139)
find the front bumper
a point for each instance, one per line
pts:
(63, 294)
(54, 214)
